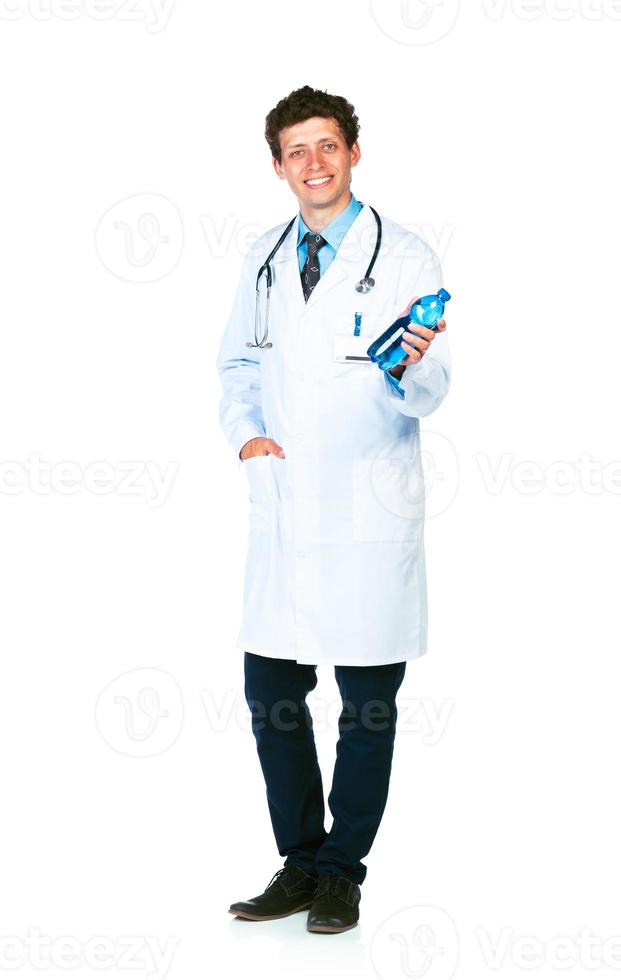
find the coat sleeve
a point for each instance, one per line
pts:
(425, 384)
(239, 369)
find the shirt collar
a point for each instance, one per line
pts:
(338, 227)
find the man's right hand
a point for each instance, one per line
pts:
(261, 447)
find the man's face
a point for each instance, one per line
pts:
(316, 161)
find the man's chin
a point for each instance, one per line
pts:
(320, 199)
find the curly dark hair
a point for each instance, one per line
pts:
(304, 103)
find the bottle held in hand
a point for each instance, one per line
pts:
(387, 351)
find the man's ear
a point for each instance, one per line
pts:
(279, 171)
(355, 153)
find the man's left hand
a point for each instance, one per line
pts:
(414, 345)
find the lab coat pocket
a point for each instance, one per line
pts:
(388, 499)
(259, 474)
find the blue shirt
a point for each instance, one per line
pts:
(334, 234)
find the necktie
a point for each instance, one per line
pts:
(310, 273)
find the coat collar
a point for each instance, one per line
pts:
(335, 230)
(350, 261)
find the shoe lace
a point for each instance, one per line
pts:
(328, 882)
(277, 878)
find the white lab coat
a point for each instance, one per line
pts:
(335, 567)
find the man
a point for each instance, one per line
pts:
(335, 570)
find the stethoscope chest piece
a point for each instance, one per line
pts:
(365, 285)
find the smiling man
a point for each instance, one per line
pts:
(317, 163)
(335, 568)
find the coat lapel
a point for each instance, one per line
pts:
(286, 271)
(350, 262)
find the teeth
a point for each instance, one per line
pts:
(317, 180)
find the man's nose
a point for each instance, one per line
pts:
(315, 161)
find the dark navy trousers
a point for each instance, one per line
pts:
(276, 692)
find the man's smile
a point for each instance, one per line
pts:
(319, 181)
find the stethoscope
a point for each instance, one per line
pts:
(366, 283)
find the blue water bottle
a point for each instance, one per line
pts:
(387, 351)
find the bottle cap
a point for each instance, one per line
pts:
(443, 295)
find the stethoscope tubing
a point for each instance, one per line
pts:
(365, 284)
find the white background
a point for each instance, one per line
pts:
(134, 805)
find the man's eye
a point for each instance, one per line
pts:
(295, 153)
(328, 146)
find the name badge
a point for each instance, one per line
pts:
(350, 349)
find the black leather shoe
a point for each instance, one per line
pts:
(290, 890)
(335, 905)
